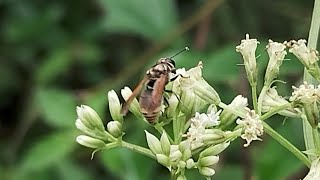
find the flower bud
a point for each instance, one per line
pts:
(206, 92)
(182, 164)
(165, 143)
(248, 48)
(153, 143)
(187, 101)
(308, 57)
(276, 52)
(171, 111)
(214, 150)
(79, 124)
(114, 106)
(272, 100)
(227, 117)
(208, 161)
(182, 177)
(213, 136)
(312, 113)
(90, 142)
(134, 106)
(190, 163)
(163, 159)
(314, 172)
(89, 117)
(175, 156)
(206, 171)
(115, 128)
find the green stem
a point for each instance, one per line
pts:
(316, 138)
(275, 111)
(254, 98)
(138, 149)
(160, 129)
(308, 131)
(232, 110)
(284, 142)
(261, 96)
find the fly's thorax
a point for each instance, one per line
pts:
(163, 66)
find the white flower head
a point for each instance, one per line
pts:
(273, 100)
(252, 127)
(194, 91)
(248, 48)
(276, 52)
(314, 172)
(239, 102)
(199, 123)
(306, 55)
(305, 93)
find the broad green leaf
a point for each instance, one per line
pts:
(148, 18)
(98, 101)
(70, 170)
(58, 107)
(273, 161)
(56, 64)
(47, 151)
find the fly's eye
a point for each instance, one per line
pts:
(171, 61)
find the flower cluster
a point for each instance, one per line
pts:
(174, 157)
(194, 91)
(197, 138)
(199, 124)
(252, 127)
(307, 97)
(308, 57)
(227, 117)
(272, 101)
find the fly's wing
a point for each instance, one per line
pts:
(136, 91)
(158, 88)
(151, 99)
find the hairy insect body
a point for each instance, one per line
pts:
(154, 82)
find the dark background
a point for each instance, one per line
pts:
(55, 55)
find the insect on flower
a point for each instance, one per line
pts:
(155, 80)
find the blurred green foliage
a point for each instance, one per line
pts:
(55, 55)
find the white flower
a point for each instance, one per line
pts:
(306, 93)
(193, 90)
(314, 172)
(252, 127)
(239, 103)
(308, 57)
(248, 48)
(198, 125)
(273, 100)
(114, 106)
(276, 52)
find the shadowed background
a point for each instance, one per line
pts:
(55, 55)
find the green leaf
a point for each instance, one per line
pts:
(98, 101)
(152, 21)
(55, 65)
(273, 161)
(48, 150)
(57, 106)
(127, 164)
(70, 170)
